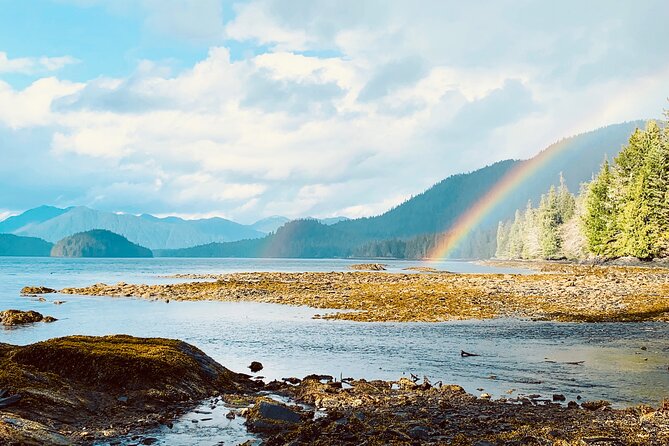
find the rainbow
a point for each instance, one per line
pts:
(459, 230)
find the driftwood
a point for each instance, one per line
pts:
(464, 354)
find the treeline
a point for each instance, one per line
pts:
(549, 231)
(480, 244)
(623, 211)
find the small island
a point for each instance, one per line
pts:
(98, 243)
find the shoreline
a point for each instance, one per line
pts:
(100, 403)
(557, 292)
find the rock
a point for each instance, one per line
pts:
(483, 443)
(230, 415)
(270, 416)
(18, 317)
(419, 433)
(572, 405)
(78, 384)
(486, 396)
(559, 397)
(595, 405)
(255, 366)
(37, 290)
(465, 354)
(369, 267)
(149, 440)
(8, 401)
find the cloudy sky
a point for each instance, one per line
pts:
(246, 109)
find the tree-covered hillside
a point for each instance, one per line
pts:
(13, 245)
(623, 211)
(411, 229)
(98, 243)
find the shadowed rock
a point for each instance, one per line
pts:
(129, 383)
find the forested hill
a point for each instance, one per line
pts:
(98, 243)
(13, 245)
(405, 231)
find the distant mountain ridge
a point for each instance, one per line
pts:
(53, 224)
(14, 245)
(400, 231)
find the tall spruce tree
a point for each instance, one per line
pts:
(641, 183)
(600, 215)
(516, 236)
(549, 218)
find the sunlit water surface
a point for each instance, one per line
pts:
(524, 356)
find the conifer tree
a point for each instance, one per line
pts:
(503, 233)
(549, 218)
(642, 191)
(531, 246)
(566, 201)
(600, 215)
(516, 236)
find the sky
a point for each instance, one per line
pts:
(248, 109)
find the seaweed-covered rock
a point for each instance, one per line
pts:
(368, 267)
(18, 317)
(74, 382)
(37, 290)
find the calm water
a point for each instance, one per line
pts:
(530, 357)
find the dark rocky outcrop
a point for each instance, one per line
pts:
(98, 243)
(37, 290)
(270, 416)
(18, 317)
(124, 382)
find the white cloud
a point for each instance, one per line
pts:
(33, 65)
(388, 99)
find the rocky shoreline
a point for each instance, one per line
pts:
(407, 412)
(84, 390)
(558, 292)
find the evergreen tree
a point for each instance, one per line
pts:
(600, 215)
(516, 236)
(549, 218)
(643, 189)
(566, 201)
(503, 233)
(531, 230)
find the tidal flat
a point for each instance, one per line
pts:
(558, 292)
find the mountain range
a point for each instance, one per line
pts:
(408, 229)
(53, 224)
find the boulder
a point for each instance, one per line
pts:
(18, 317)
(255, 366)
(270, 416)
